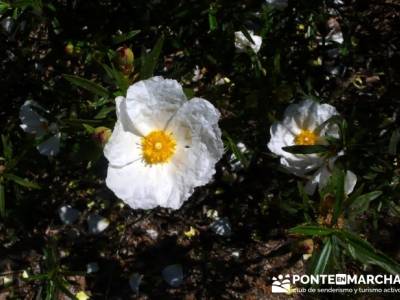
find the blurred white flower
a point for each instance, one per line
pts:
(68, 215)
(134, 282)
(242, 43)
(301, 126)
(34, 123)
(173, 275)
(280, 4)
(97, 224)
(162, 145)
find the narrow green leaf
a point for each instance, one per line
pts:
(89, 129)
(306, 149)
(311, 230)
(7, 147)
(394, 141)
(212, 19)
(22, 182)
(104, 112)
(149, 60)
(2, 201)
(361, 204)
(236, 151)
(88, 85)
(365, 253)
(337, 179)
(324, 257)
(117, 39)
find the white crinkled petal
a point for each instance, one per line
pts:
(31, 121)
(199, 147)
(142, 186)
(123, 147)
(150, 103)
(51, 146)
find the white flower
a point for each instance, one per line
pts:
(35, 124)
(280, 4)
(162, 145)
(300, 126)
(242, 43)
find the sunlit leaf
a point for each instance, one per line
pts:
(88, 85)
(149, 60)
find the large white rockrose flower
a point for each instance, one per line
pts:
(242, 43)
(32, 122)
(301, 125)
(162, 145)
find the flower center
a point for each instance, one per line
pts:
(306, 137)
(158, 147)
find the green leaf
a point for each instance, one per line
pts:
(104, 112)
(365, 253)
(2, 201)
(89, 129)
(22, 182)
(306, 149)
(311, 230)
(117, 39)
(337, 179)
(3, 7)
(149, 60)
(361, 204)
(394, 141)
(212, 19)
(321, 263)
(7, 147)
(121, 81)
(88, 85)
(236, 151)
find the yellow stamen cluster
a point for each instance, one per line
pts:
(158, 147)
(306, 137)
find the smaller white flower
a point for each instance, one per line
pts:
(173, 275)
(34, 123)
(301, 126)
(279, 4)
(97, 224)
(242, 43)
(68, 215)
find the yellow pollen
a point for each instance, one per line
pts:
(158, 147)
(306, 137)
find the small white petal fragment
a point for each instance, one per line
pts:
(25, 275)
(242, 43)
(92, 267)
(97, 224)
(152, 233)
(350, 182)
(221, 227)
(68, 215)
(173, 275)
(135, 281)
